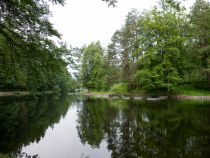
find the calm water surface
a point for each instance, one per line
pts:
(76, 127)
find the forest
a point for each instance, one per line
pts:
(161, 50)
(30, 60)
(152, 79)
(164, 49)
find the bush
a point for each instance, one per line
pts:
(120, 88)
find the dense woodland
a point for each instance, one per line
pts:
(165, 49)
(160, 49)
(29, 58)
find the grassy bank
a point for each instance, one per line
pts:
(185, 90)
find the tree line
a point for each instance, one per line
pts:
(157, 49)
(29, 57)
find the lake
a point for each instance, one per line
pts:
(79, 127)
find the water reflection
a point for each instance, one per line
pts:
(66, 127)
(25, 119)
(145, 129)
(95, 118)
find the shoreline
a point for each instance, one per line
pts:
(146, 97)
(114, 96)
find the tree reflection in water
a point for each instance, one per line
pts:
(143, 129)
(25, 120)
(130, 129)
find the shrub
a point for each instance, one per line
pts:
(120, 88)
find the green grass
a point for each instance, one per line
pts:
(176, 91)
(190, 89)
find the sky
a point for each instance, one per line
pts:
(84, 21)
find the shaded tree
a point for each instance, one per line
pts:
(200, 19)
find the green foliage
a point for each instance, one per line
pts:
(111, 67)
(191, 89)
(92, 66)
(29, 60)
(162, 47)
(200, 19)
(120, 88)
(156, 50)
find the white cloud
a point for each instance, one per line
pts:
(84, 21)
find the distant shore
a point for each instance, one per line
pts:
(114, 96)
(145, 97)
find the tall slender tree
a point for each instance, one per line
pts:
(200, 19)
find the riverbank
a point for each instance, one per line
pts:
(23, 93)
(145, 97)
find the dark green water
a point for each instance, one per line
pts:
(75, 127)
